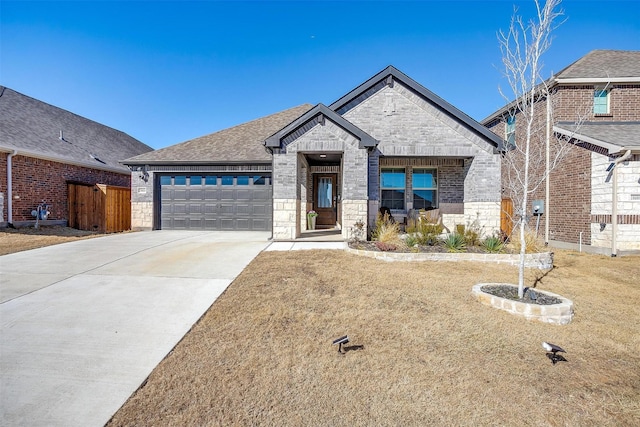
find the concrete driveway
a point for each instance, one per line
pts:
(84, 323)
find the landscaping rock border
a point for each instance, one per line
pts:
(541, 260)
(558, 314)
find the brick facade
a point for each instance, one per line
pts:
(570, 208)
(34, 180)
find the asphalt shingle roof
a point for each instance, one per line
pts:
(604, 64)
(596, 65)
(32, 127)
(242, 143)
(622, 135)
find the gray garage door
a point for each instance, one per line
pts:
(216, 202)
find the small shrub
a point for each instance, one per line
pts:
(358, 231)
(472, 232)
(385, 247)
(411, 240)
(455, 243)
(493, 244)
(533, 243)
(387, 231)
(426, 233)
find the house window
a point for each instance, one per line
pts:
(510, 134)
(392, 188)
(195, 180)
(425, 189)
(601, 101)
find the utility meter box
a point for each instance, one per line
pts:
(538, 207)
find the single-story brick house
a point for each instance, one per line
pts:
(594, 194)
(389, 143)
(43, 148)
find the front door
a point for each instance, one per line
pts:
(325, 199)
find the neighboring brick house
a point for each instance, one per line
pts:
(47, 148)
(388, 143)
(596, 107)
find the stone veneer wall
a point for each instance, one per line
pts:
(289, 180)
(141, 202)
(628, 203)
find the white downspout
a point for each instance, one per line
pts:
(614, 203)
(547, 190)
(10, 188)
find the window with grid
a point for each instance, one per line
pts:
(510, 134)
(425, 189)
(601, 101)
(392, 188)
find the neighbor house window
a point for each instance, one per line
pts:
(425, 189)
(510, 134)
(392, 188)
(601, 101)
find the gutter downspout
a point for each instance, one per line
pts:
(614, 207)
(547, 190)
(10, 188)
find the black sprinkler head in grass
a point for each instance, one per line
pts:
(340, 341)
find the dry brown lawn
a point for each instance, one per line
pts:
(25, 238)
(432, 355)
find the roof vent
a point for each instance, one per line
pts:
(61, 137)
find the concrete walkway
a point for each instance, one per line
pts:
(84, 323)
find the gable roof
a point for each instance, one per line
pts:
(317, 115)
(36, 129)
(606, 65)
(238, 144)
(613, 136)
(387, 76)
(598, 66)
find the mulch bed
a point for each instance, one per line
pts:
(511, 292)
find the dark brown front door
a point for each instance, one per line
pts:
(324, 199)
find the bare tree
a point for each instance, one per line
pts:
(529, 159)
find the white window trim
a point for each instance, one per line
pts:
(607, 90)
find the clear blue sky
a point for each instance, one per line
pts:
(165, 72)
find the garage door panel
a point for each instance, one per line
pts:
(195, 194)
(195, 208)
(243, 194)
(228, 194)
(262, 194)
(243, 209)
(179, 194)
(260, 209)
(179, 209)
(210, 205)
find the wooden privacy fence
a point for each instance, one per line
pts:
(506, 217)
(102, 208)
